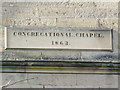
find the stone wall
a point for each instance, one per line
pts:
(60, 14)
(66, 15)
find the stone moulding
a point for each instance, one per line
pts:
(60, 67)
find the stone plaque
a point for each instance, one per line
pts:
(58, 39)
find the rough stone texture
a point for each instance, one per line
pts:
(58, 80)
(59, 14)
(82, 14)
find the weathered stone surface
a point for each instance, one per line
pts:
(60, 81)
(58, 14)
(79, 14)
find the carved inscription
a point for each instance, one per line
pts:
(56, 39)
